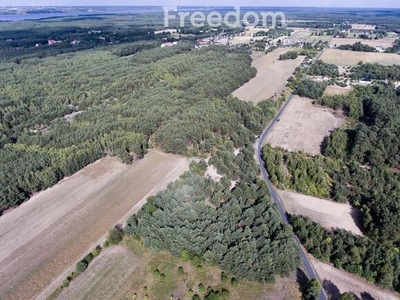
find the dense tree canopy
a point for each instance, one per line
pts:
(241, 230)
(59, 114)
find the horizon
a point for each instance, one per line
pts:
(203, 6)
(384, 4)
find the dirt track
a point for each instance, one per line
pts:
(272, 75)
(48, 233)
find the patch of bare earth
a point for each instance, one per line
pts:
(271, 78)
(351, 58)
(303, 126)
(339, 281)
(40, 239)
(337, 90)
(328, 214)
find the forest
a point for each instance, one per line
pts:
(60, 114)
(358, 255)
(359, 163)
(238, 229)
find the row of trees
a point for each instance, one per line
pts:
(355, 254)
(358, 46)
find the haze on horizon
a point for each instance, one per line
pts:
(278, 3)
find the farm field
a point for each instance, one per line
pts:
(323, 38)
(386, 42)
(327, 213)
(51, 231)
(271, 78)
(300, 34)
(121, 271)
(338, 281)
(303, 126)
(337, 90)
(351, 58)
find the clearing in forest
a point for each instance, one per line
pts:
(44, 236)
(337, 90)
(271, 78)
(121, 271)
(337, 282)
(352, 58)
(328, 214)
(303, 126)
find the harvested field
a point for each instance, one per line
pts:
(303, 126)
(300, 34)
(385, 42)
(315, 38)
(272, 75)
(351, 58)
(328, 214)
(121, 271)
(339, 281)
(337, 90)
(40, 239)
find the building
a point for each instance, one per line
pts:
(51, 42)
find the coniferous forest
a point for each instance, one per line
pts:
(59, 114)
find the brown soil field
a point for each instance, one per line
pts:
(338, 281)
(386, 42)
(300, 34)
(327, 213)
(272, 76)
(351, 58)
(40, 239)
(303, 126)
(337, 90)
(121, 271)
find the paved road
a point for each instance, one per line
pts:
(303, 255)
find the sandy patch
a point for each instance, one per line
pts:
(338, 280)
(213, 173)
(351, 58)
(328, 214)
(272, 76)
(303, 126)
(40, 239)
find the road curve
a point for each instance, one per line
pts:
(274, 195)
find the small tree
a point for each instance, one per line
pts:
(82, 266)
(313, 289)
(115, 235)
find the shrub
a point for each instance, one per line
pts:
(81, 266)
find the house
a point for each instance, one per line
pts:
(380, 49)
(51, 42)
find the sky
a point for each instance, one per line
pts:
(307, 3)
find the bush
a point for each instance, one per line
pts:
(115, 235)
(82, 266)
(65, 283)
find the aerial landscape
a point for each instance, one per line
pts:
(200, 150)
